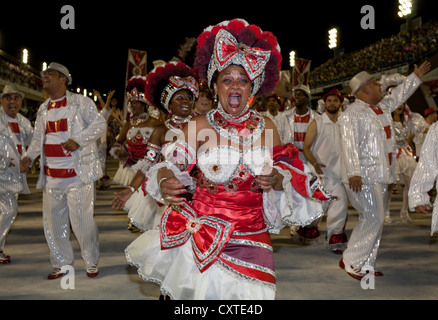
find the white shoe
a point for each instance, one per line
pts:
(92, 271)
(4, 258)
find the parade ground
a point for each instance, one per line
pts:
(408, 258)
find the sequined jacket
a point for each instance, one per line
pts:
(425, 176)
(11, 179)
(364, 145)
(85, 126)
(286, 125)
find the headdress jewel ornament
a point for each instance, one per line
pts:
(228, 51)
(135, 89)
(176, 84)
(237, 42)
(136, 95)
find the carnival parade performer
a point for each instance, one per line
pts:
(66, 130)
(218, 246)
(130, 145)
(404, 123)
(405, 162)
(368, 163)
(293, 126)
(322, 148)
(424, 178)
(172, 89)
(15, 135)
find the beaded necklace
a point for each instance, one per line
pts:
(137, 120)
(243, 130)
(177, 124)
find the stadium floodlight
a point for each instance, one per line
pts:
(25, 56)
(292, 59)
(405, 8)
(333, 38)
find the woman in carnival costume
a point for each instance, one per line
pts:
(218, 246)
(131, 143)
(403, 122)
(172, 88)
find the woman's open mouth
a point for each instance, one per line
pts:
(234, 100)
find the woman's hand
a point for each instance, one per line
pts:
(170, 189)
(120, 198)
(273, 180)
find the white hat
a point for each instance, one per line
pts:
(9, 88)
(304, 88)
(358, 80)
(60, 68)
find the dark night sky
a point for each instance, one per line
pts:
(96, 50)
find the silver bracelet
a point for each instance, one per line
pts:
(159, 183)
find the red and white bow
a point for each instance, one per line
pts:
(189, 83)
(228, 51)
(208, 235)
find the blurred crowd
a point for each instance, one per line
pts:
(400, 49)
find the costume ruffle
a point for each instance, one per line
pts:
(124, 175)
(177, 274)
(143, 211)
(223, 235)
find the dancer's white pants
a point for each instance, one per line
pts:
(364, 242)
(74, 207)
(8, 212)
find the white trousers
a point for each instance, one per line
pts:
(364, 242)
(337, 211)
(8, 212)
(73, 207)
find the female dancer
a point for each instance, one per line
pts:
(142, 209)
(405, 162)
(218, 246)
(131, 143)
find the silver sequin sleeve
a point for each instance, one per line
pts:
(426, 172)
(364, 149)
(401, 93)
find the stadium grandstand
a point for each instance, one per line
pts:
(396, 54)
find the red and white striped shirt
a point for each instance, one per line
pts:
(387, 128)
(59, 162)
(15, 128)
(300, 128)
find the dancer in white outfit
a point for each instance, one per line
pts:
(405, 162)
(322, 148)
(15, 134)
(218, 245)
(425, 177)
(66, 130)
(368, 162)
(144, 211)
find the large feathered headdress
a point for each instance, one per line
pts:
(237, 42)
(164, 81)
